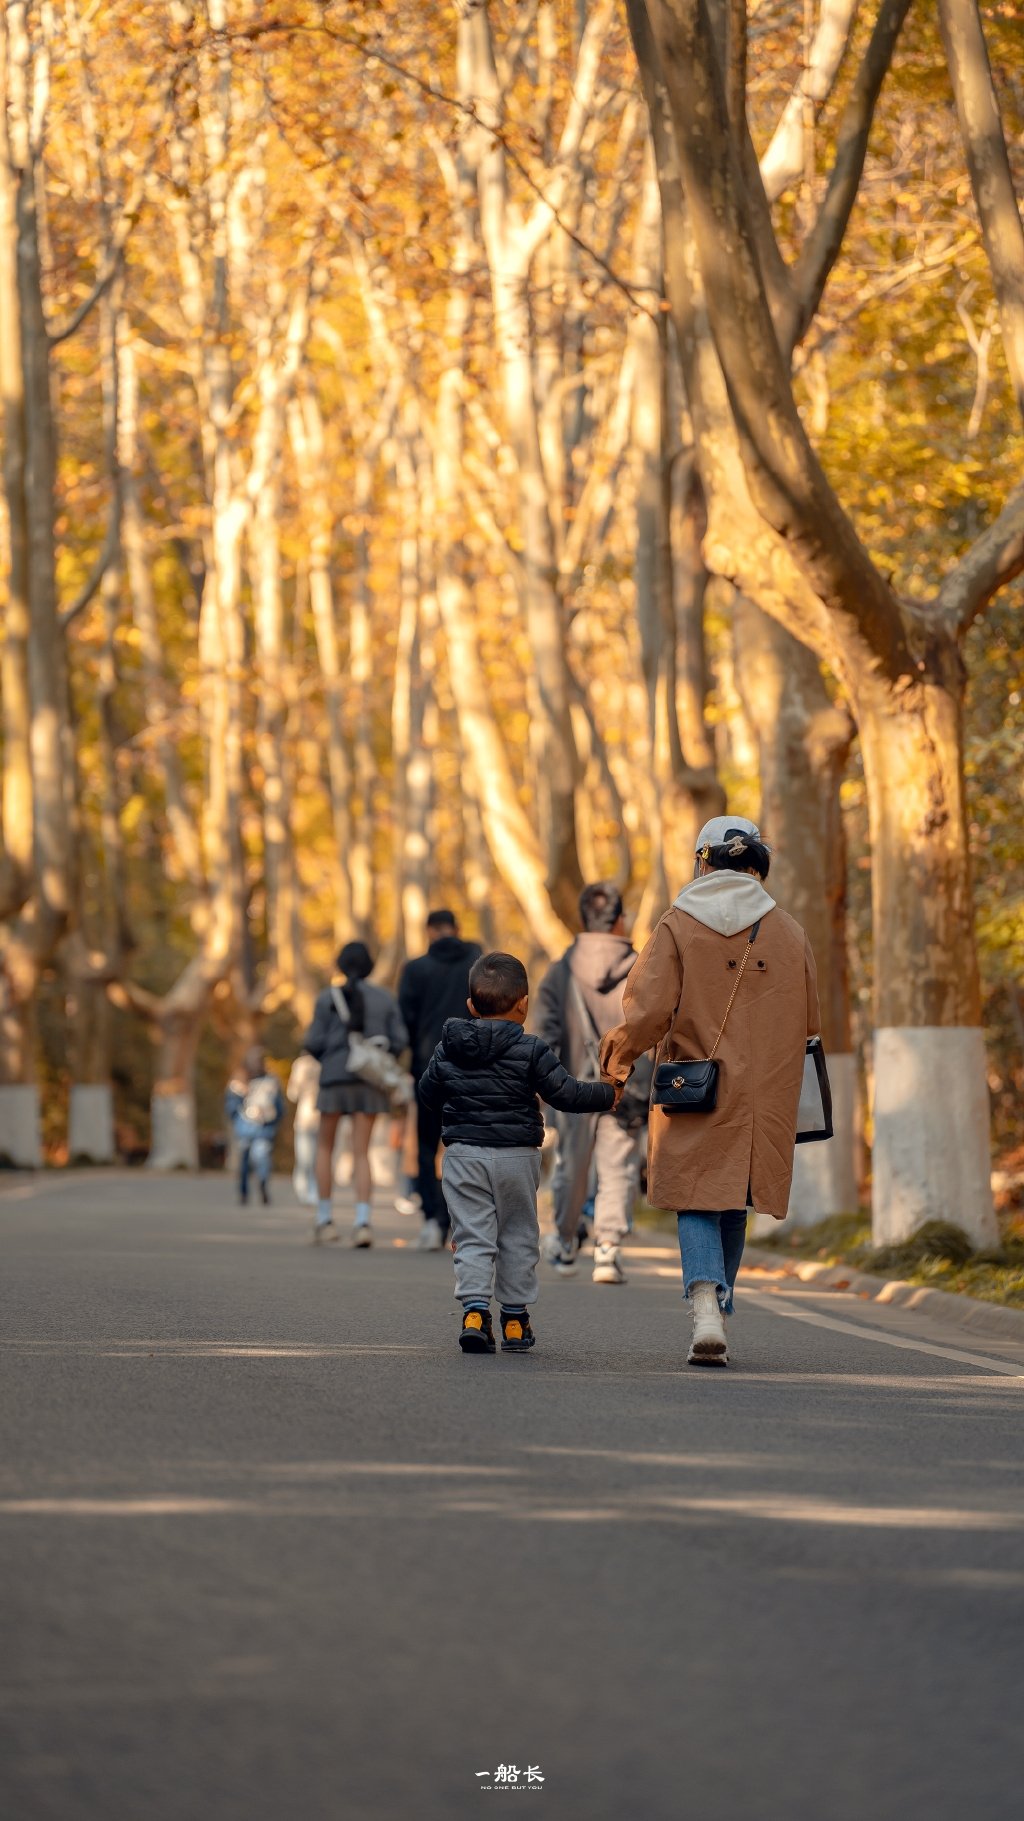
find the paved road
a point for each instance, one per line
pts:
(274, 1551)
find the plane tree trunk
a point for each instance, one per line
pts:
(782, 534)
(803, 741)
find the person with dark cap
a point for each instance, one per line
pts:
(580, 1000)
(433, 988)
(348, 1006)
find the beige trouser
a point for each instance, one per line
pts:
(603, 1143)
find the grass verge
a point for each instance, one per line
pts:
(939, 1256)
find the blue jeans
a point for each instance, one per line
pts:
(257, 1153)
(711, 1246)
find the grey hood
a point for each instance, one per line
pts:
(601, 961)
(726, 902)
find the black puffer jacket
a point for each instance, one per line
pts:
(485, 1076)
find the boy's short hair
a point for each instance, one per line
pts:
(497, 982)
(600, 906)
(442, 919)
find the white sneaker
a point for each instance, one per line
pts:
(408, 1205)
(362, 1235)
(565, 1261)
(550, 1247)
(608, 1266)
(325, 1233)
(430, 1238)
(708, 1346)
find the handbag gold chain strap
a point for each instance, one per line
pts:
(736, 987)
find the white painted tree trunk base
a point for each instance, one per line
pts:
(173, 1143)
(20, 1142)
(91, 1123)
(932, 1158)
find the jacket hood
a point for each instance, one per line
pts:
(726, 902)
(450, 949)
(476, 1043)
(601, 961)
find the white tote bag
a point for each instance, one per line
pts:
(814, 1114)
(372, 1061)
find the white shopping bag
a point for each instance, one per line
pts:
(814, 1114)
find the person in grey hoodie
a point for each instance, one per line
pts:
(580, 1000)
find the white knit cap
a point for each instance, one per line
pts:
(715, 831)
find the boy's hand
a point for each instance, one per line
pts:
(610, 1082)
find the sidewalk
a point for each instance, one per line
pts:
(950, 1309)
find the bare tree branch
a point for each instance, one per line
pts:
(787, 483)
(821, 248)
(546, 203)
(107, 555)
(981, 129)
(783, 162)
(993, 560)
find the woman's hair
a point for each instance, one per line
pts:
(355, 961)
(738, 853)
(254, 1062)
(497, 982)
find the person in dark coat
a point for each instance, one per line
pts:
(485, 1080)
(350, 1005)
(432, 989)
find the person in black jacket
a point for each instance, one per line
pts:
(484, 1080)
(432, 989)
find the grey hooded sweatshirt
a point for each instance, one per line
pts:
(599, 963)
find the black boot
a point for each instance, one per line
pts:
(517, 1336)
(477, 1332)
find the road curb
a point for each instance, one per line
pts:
(967, 1314)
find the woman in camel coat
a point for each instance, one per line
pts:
(710, 1167)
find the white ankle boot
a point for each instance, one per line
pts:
(708, 1347)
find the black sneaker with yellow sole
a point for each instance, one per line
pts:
(477, 1333)
(517, 1336)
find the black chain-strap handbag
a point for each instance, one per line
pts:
(692, 1086)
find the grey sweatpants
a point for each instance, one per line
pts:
(492, 1199)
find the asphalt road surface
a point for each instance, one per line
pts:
(273, 1550)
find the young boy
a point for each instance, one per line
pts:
(484, 1077)
(254, 1105)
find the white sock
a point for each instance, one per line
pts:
(362, 1213)
(323, 1213)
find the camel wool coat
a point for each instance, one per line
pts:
(675, 997)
